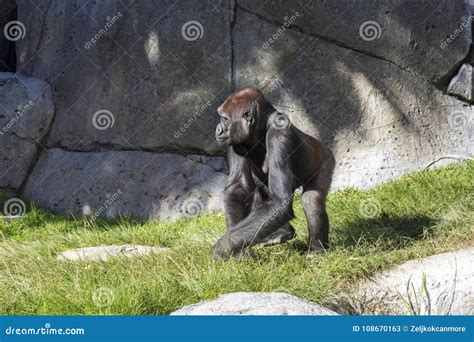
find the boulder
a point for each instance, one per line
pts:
(26, 112)
(448, 287)
(160, 69)
(255, 304)
(380, 120)
(461, 84)
(416, 36)
(161, 186)
(104, 253)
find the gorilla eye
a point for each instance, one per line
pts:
(247, 116)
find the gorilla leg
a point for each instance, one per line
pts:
(317, 219)
(261, 223)
(238, 242)
(238, 204)
(314, 205)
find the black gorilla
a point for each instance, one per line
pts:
(269, 158)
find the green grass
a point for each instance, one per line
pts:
(419, 215)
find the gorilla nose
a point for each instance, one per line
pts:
(219, 130)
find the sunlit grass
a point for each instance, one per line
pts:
(419, 215)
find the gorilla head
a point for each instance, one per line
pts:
(243, 118)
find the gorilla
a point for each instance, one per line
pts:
(269, 159)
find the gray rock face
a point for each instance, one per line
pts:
(410, 34)
(380, 120)
(26, 111)
(104, 253)
(160, 68)
(461, 84)
(255, 304)
(142, 184)
(128, 77)
(449, 287)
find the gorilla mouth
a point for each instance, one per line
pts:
(222, 140)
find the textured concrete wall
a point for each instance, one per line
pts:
(135, 87)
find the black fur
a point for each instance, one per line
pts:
(268, 161)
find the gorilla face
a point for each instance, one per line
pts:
(243, 119)
(234, 128)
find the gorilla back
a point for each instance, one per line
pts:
(269, 158)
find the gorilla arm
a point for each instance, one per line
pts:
(268, 215)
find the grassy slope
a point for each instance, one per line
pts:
(420, 214)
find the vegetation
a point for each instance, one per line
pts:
(421, 214)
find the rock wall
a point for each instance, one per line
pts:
(141, 184)
(135, 87)
(26, 112)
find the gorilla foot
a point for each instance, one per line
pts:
(315, 253)
(283, 234)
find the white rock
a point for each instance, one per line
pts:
(254, 304)
(103, 253)
(449, 281)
